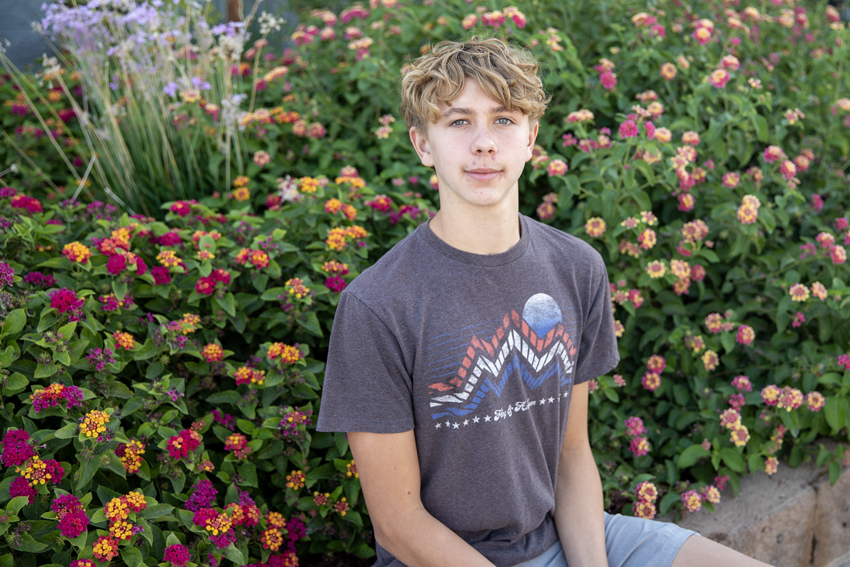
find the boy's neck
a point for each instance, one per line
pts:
(484, 232)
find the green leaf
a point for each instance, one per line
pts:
(733, 459)
(15, 321)
(45, 370)
(14, 506)
(16, 381)
(132, 557)
(29, 544)
(68, 431)
(228, 396)
(310, 322)
(728, 342)
(228, 303)
(8, 357)
(89, 468)
(691, 455)
(234, 555)
(67, 331)
(667, 502)
(836, 412)
(834, 472)
(120, 289)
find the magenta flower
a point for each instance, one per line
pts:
(161, 276)
(178, 555)
(16, 448)
(335, 283)
(608, 80)
(628, 129)
(20, 487)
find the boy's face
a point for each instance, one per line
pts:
(478, 149)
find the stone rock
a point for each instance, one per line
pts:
(772, 519)
(832, 520)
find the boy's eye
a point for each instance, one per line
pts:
(504, 121)
(457, 122)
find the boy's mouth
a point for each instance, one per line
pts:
(483, 173)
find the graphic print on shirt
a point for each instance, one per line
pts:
(534, 346)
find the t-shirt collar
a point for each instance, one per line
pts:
(424, 231)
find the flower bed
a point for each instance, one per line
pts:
(703, 152)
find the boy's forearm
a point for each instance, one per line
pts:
(418, 539)
(579, 509)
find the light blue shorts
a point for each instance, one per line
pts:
(629, 542)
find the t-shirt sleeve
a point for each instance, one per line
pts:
(366, 385)
(598, 353)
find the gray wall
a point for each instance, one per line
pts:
(27, 45)
(15, 19)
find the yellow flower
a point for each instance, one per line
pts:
(94, 423)
(656, 269)
(76, 252)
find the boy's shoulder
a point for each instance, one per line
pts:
(555, 241)
(395, 270)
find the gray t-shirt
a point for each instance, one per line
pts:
(478, 355)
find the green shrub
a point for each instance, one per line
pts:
(723, 225)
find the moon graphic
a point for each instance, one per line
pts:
(541, 312)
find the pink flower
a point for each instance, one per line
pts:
(556, 167)
(838, 254)
(772, 154)
(691, 500)
(639, 446)
(634, 426)
(815, 401)
(628, 129)
(742, 383)
(730, 62)
(737, 401)
(719, 78)
(686, 202)
(650, 381)
(788, 169)
(656, 364)
(745, 335)
(608, 80)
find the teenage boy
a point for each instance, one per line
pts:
(459, 362)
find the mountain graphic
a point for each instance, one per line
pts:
(535, 346)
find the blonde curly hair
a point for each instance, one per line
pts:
(507, 74)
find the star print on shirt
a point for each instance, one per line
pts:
(466, 422)
(475, 419)
(448, 424)
(438, 426)
(551, 400)
(455, 425)
(486, 418)
(543, 401)
(566, 394)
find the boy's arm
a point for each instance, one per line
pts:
(388, 465)
(578, 491)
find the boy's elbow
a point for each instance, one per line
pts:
(392, 532)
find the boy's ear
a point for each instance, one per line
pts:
(422, 146)
(533, 128)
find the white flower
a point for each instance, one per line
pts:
(269, 23)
